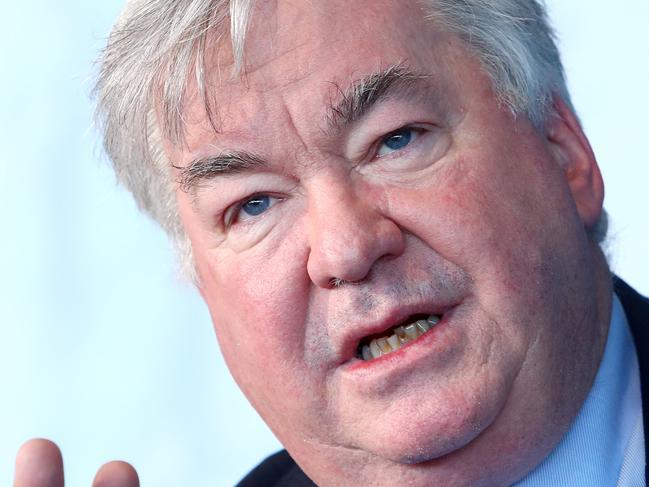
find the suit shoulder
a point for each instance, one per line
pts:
(278, 470)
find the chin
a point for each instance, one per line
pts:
(430, 434)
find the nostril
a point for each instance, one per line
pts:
(346, 239)
(336, 282)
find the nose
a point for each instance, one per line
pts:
(348, 233)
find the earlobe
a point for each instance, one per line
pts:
(573, 153)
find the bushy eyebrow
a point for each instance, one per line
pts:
(352, 105)
(223, 164)
(357, 100)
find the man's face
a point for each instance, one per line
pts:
(337, 217)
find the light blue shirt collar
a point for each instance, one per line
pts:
(607, 433)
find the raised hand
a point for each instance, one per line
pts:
(39, 464)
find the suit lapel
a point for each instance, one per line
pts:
(636, 308)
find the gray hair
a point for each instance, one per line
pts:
(156, 47)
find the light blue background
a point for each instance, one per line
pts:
(102, 347)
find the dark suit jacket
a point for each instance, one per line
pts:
(636, 308)
(279, 470)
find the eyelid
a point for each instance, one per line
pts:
(416, 131)
(419, 129)
(231, 213)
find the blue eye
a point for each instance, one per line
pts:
(249, 208)
(395, 141)
(257, 205)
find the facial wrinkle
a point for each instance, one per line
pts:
(355, 101)
(439, 283)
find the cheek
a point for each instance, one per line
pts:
(258, 306)
(484, 210)
(511, 242)
(255, 301)
(253, 358)
(457, 213)
(260, 325)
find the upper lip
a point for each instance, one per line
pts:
(391, 318)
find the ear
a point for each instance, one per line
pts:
(573, 153)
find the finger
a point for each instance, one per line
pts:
(116, 474)
(39, 464)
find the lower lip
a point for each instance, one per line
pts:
(426, 342)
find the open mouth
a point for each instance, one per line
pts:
(373, 347)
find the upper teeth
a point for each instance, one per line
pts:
(401, 335)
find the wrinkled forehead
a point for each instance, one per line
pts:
(320, 30)
(310, 49)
